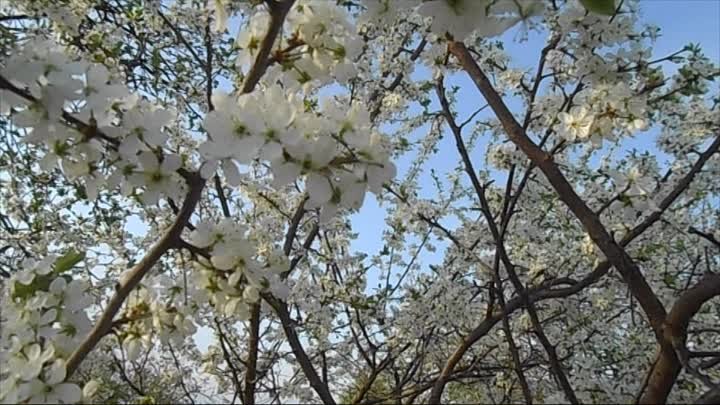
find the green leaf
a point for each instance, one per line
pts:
(39, 283)
(68, 261)
(669, 280)
(606, 7)
(155, 59)
(146, 400)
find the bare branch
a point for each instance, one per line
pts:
(311, 374)
(705, 235)
(668, 365)
(253, 342)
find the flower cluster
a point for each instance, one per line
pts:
(155, 311)
(486, 18)
(236, 271)
(457, 18)
(330, 80)
(90, 124)
(44, 318)
(337, 151)
(504, 155)
(320, 46)
(605, 112)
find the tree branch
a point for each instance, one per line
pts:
(251, 367)
(395, 83)
(705, 235)
(711, 397)
(310, 373)
(668, 365)
(501, 255)
(278, 11)
(616, 255)
(167, 241)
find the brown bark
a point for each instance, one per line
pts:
(251, 372)
(615, 254)
(305, 363)
(667, 368)
(712, 397)
(169, 239)
(670, 328)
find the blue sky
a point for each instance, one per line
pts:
(681, 21)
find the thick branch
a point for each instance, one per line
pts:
(365, 388)
(89, 131)
(254, 340)
(705, 235)
(228, 360)
(712, 397)
(437, 390)
(167, 241)
(310, 373)
(502, 255)
(602, 268)
(293, 227)
(533, 295)
(616, 255)
(278, 11)
(665, 372)
(515, 353)
(15, 17)
(680, 188)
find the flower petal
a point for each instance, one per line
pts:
(68, 393)
(148, 161)
(56, 372)
(318, 188)
(171, 163)
(223, 262)
(232, 174)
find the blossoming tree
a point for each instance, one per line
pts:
(180, 174)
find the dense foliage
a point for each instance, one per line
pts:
(184, 188)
